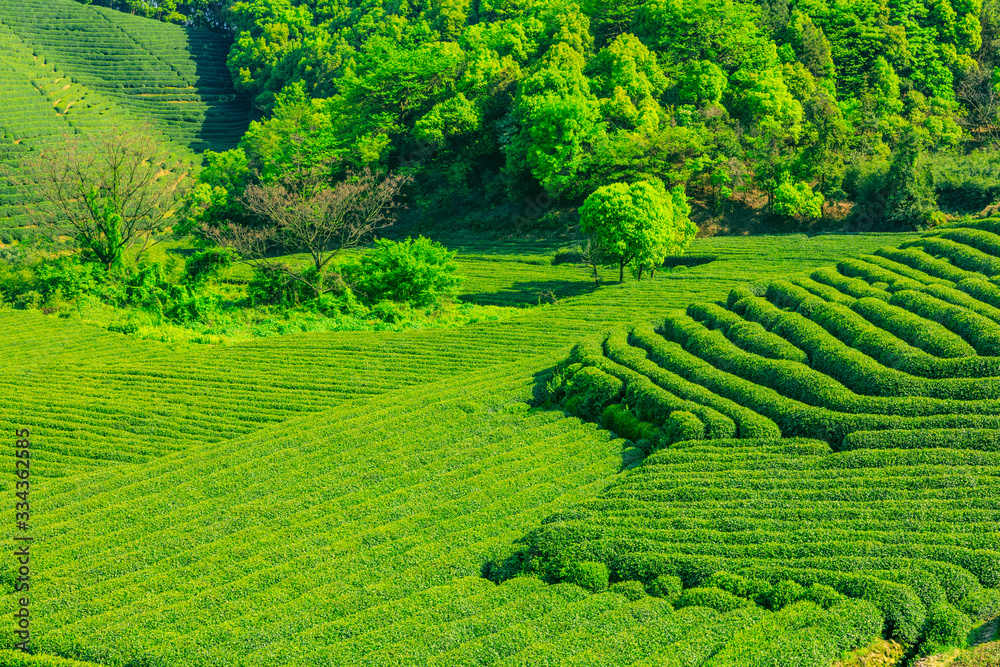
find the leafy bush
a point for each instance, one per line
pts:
(714, 598)
(784, 593)
(206, 265)
(631, 589)
(682, 426)
(419, 272)
(666, 586)
(588, 575)
(619, 419)
(946, 626)
(590, 390)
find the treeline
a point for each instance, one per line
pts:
(788, 105)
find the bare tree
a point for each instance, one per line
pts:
(115, 190)
(306, 214)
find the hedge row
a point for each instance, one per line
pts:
(855, 287)
(860, 373)
(921, 261)
(920, 332)
(750, 336)
(979, 439)
(873, 273)
(980, 239)
(959, 254)
(823, 291)
(887, 349)
(983, 290)
(793, 417)
(959, 297)
(982, 333)
(650, 402)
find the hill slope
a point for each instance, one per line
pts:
(174, 77)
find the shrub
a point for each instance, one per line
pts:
(666, 586)
(682, 426)
(750, 589)
(419, 272)
(273, 287)
(784, 593)
(568, 256)
(590, 390)
(981, 604)
(631, 589)
(825, 596)
(946, 626)
(206, 265)
(617, 418)
(713, 598)
(588, 575)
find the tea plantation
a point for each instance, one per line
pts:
(393, 498)
(68, 68)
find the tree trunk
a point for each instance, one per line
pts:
(621, 272)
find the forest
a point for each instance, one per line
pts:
(880, 115)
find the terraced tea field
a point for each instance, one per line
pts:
(337, 498)
(68, 68)
(141, 394)
(172, 76)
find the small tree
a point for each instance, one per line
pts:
(305, 214)
(115, 190)
(639, 224)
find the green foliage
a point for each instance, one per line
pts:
(946, 627)
(797, 200)
(418, 272)
(631, 590)
(667, 587)
(206, 265)
(639, 224)
(713, 598)
(588, 575)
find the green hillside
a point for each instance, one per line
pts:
(171, 76)
(68, 68)
(103, 397)
(336, 498)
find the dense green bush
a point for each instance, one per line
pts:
(418, 271)
(631, 590)
(588, 575)
(619, 419)
(590, 390)
(946, 627)
(666, 586)
(681, 426)
(713, 598)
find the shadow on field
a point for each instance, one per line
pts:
(532, 293)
